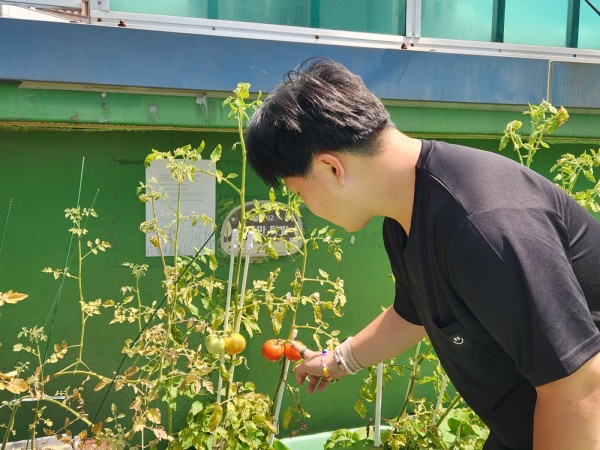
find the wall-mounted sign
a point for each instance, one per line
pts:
(272, 226)
(196, 198)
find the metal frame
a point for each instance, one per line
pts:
(573, 23)
(100, 14)
(46, 4)
(413, 20)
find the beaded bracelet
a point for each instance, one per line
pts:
(323, 364)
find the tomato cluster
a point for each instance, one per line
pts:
(231, 344)
(234, 343)
(275, 349)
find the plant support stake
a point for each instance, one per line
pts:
(377, 437)
(282, 382)
(234, 246)
(249, 247)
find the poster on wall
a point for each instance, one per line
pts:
(197, 198)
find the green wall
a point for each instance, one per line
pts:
(40, 176)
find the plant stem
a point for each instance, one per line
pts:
(10, 426)
(454, 402)
(241, 230)
(81, 300)
(139, 302)
(418, 359)
(5, 225)
(67, 408)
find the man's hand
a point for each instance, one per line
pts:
(311, 368)
(386, 336)
(567, 411)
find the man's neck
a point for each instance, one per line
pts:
(395, 184)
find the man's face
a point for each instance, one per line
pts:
(324, 199)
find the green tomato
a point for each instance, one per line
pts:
(214, 344)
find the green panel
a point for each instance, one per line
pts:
(536, 22)
(457, 19)
(77, 107)
(427, 120)
(185, 8)
(382, 16)
(290, 12)
(589, 26)
(88, 109)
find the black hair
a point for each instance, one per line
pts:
(319, 106)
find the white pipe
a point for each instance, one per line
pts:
(286, 369)
(249, 247)
(234, 246)
(377, 437)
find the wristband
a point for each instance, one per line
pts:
(350, 359)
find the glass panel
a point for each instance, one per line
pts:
(288, 12)
(381, 16)
(457, 19)
(536, 22)
(185, 8)
(589, 26)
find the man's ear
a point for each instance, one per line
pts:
(333, 165)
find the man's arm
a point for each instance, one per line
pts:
(567, 411)
(386, 336)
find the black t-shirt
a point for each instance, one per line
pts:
(502, 268)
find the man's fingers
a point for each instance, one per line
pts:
(300, 377)
(303, 350)
(313, 384)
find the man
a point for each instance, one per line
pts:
(495, 264)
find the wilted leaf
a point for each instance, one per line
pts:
(101, 384)
(153, 415)
(11, 297)
(97, 428)
(160, 433)
(16, 386)
(287, 417)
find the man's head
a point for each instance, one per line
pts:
(319, 107)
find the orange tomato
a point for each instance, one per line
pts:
(290, 351)
(273, 349)
(234, 344)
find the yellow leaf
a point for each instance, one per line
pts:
(154, 415)
(287, 417)
(101, 385)
(12, 297)
(16, 386)
(97, 428)
(160, 433)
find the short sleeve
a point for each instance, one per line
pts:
(512, 269)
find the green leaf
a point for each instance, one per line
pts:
(216, 154)
(287, 417)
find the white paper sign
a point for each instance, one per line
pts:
(197, 198)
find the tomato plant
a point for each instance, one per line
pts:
(273, 349)
(214, 344)
(234, 344)
(291, 353)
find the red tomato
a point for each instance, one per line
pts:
(273, 349)
(290, 351)
(234, 344)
